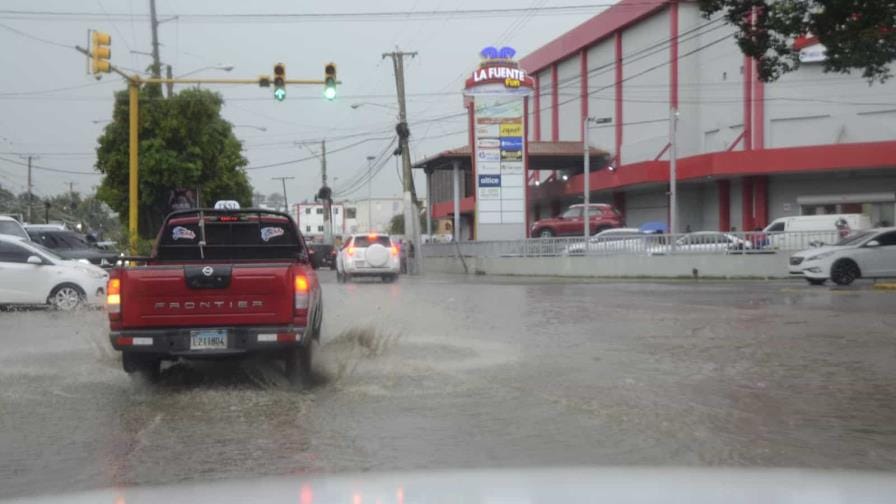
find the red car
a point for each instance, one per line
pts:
(571, 222)
(220, 283)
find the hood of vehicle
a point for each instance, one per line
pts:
(818, 250)
(629, 485)
(86, 253)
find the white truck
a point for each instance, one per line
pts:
(803, 231)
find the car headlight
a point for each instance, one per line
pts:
(821, 256)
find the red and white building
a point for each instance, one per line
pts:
(747, 151)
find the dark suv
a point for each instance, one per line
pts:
(571, 222)
(323, 255)
(72, 245)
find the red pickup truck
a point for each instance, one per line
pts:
(220, 283)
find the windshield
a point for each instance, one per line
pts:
(12, 228)
(572, 213)
(45, 251)
(854, 238)
(365, 241)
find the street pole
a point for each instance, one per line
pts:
(30, 196)
(154, 23)
(673, 175)
(133, 114)
(328, 203)
(411, 226)
(370, 194)
(586, 184)
(283, 181)
(170, 85)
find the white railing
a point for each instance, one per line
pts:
(638, 244)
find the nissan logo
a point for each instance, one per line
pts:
(207, 271)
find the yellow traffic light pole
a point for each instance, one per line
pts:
(134, 83)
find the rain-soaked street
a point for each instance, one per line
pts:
(449, 372)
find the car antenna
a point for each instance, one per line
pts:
(201, 234)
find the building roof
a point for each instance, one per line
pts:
(599, 27)
(542, 156)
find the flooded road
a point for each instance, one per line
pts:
(448, 372)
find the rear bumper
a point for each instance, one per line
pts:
(240, 340)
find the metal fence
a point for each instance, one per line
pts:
(637, 244)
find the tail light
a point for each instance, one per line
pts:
(301, 295)
(113, 296)
(351, 251)
(394, 250)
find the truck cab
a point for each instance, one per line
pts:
(219, 283)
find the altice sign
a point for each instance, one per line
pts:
(498, 88)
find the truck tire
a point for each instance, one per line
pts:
(298, 364)
(141, 368)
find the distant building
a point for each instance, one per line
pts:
(310, 219)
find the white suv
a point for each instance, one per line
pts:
(368, 255)
(10, 226)
(865, 254)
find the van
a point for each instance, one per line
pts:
(795, 233)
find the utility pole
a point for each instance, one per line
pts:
(673, 176)
(29, 188)
(170, 85)
(411, 225)
(283, 180)
(326, 195)
(370, 195)
(154, 23)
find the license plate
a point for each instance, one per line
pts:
(210, 339)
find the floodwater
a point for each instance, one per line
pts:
(450, 372)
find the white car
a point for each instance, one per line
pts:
(700, 242)
(863, 254)
(611, 241)
(33, 275)
(374, 255)
(12, 227)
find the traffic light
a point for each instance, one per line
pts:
(100, 52)
(330, 81)
(280, 82)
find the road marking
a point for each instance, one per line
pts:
(885, 286)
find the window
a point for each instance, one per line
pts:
(365, 241)
(10, 252)
(351, 213)
(307, 210)
(307, 229)
(573, 213)
(320, 229)
(336, 211)
(887, 239)
(776, 227)
(320, 211)
(12, 228)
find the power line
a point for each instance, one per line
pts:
(46, 168)
(32, 37)
(291, 17)
(307, 158)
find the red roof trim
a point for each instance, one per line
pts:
(815, 158)
(586, 34)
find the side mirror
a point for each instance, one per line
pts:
(872, 244)
(35, 260)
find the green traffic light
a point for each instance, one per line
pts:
(280, 94)
(330, 93)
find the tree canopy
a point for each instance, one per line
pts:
(184, 143)
(858, 34)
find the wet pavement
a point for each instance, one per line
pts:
(451, 372)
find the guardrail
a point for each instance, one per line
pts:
(637, 244)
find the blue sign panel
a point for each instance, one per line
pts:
(511, 143)
(489, 181)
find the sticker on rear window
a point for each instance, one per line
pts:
(182, 233)
(267, 233)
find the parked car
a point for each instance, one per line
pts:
(72, 245)
(703, 242)
(220, 283)
(322, 255)
(12, 227)
(33, 275)
(610, 241)
(372, 255)
(571, 222)
(795, 233)
(863, 254)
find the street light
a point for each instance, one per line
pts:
(259, 128)
(586, 186)
(225, 68)
(361, 104)
(370, 193)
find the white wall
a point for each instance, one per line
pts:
(602, 93)
(783, 190)
(569, 94)
(645, 97)
(544, 91)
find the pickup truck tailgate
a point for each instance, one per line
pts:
(206, 295)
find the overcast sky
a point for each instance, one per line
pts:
(60, 127)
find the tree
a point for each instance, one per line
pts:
(858, 34)
(184, 143)
(275, 200)
(396, 224)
